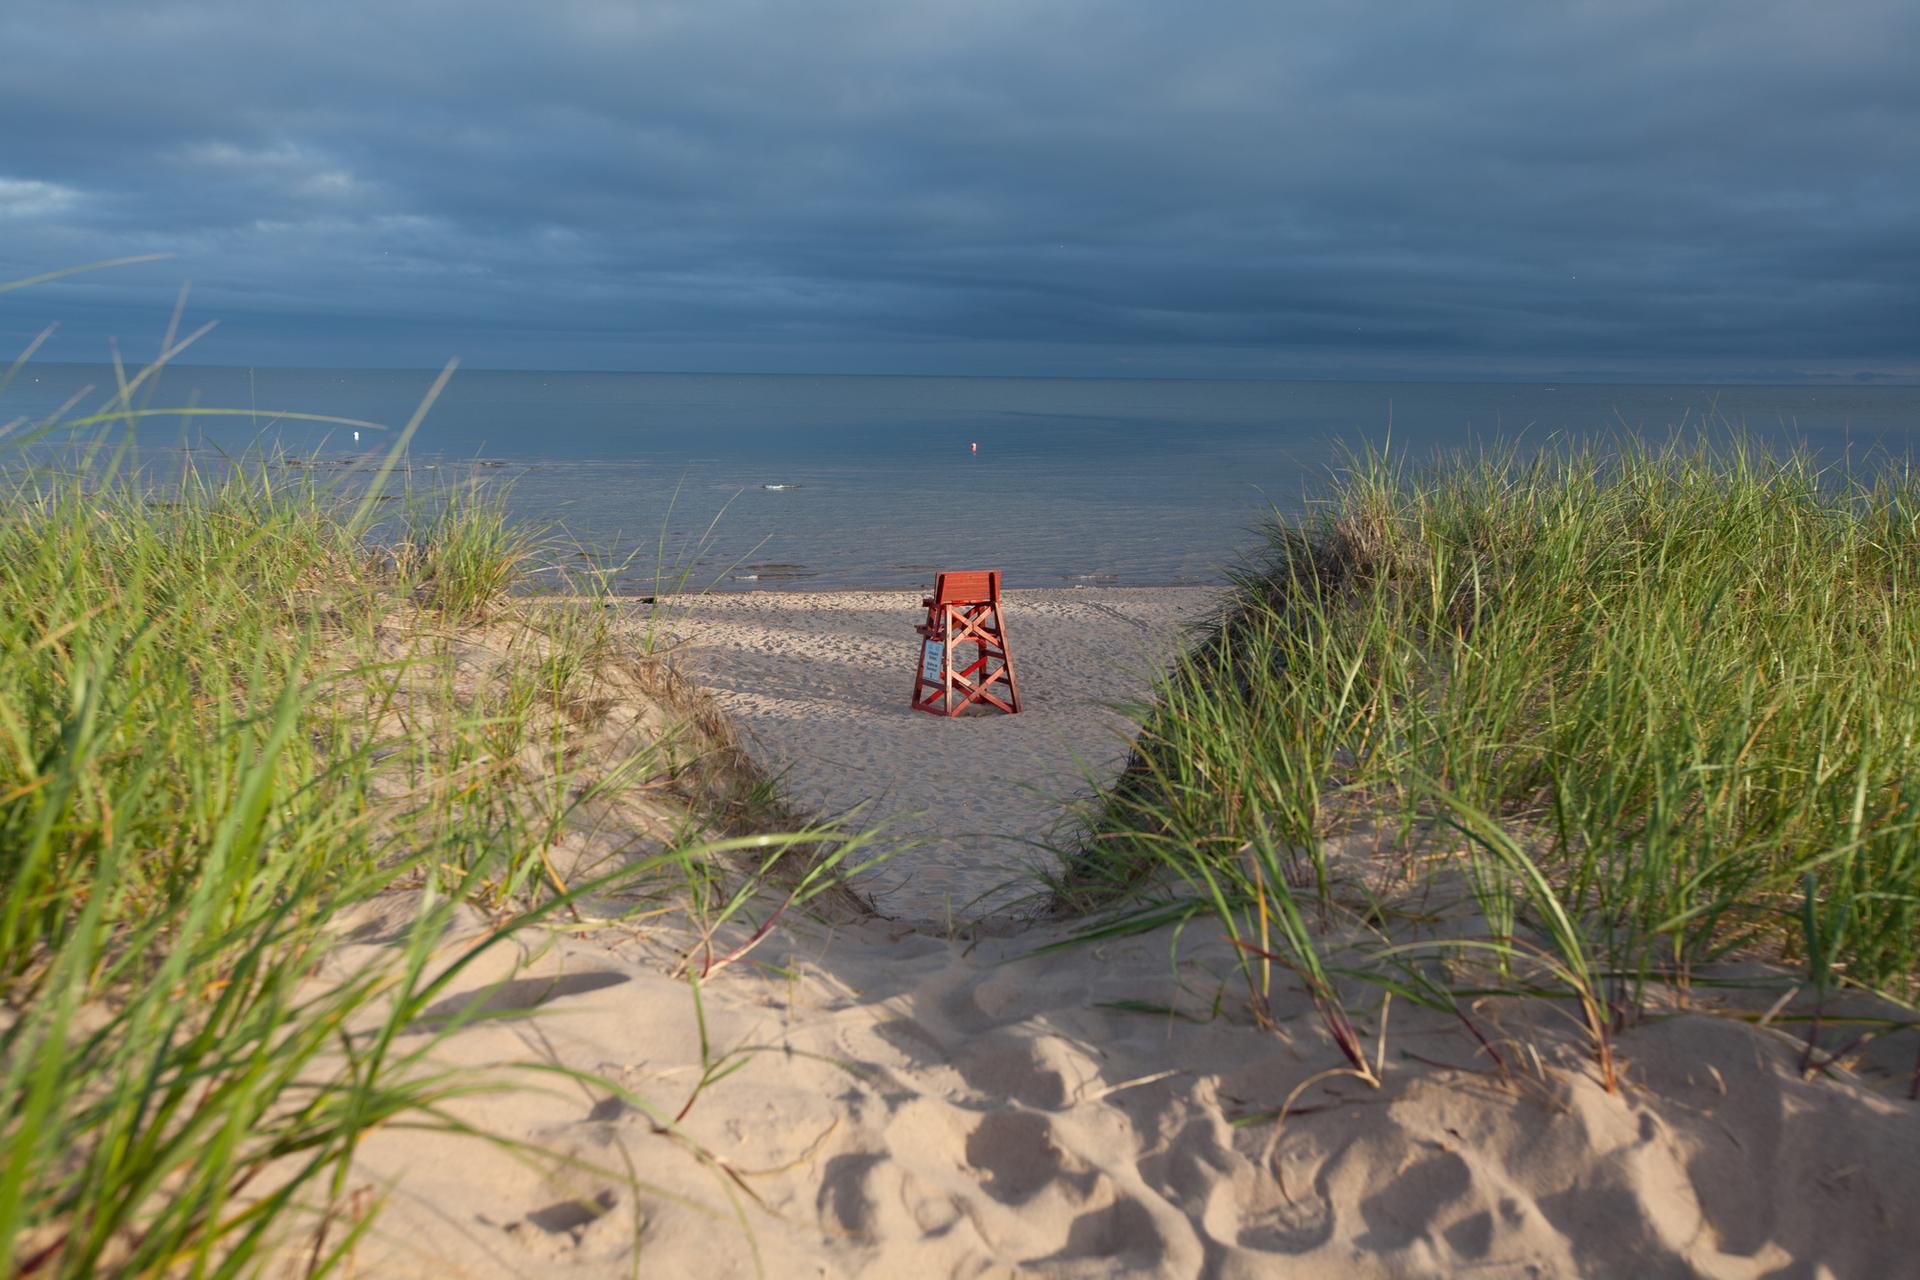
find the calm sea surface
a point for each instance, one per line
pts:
(817, 482)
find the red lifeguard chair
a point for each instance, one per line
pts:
(964, 608)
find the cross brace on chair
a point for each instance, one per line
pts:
(964, 609)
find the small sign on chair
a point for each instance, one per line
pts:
(964, 609)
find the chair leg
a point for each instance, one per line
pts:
(1006, 656)
(946, 664)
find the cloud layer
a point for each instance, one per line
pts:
(1677, 188)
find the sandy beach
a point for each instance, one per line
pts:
(817, 684)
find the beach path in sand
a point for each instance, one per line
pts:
(818, 684)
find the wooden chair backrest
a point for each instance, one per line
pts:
(977, 586)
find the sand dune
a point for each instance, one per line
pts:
(917, 1100)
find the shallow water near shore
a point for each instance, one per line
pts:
(872, 482)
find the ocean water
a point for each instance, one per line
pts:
(755, 482)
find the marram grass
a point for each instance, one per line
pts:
(211, 749)
(1664, 701)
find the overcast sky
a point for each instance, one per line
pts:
(1363, 188)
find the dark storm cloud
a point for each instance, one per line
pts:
(1362, 187)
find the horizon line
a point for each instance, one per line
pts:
(1864, 380)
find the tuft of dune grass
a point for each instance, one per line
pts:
(228, 718)
(1655, 705)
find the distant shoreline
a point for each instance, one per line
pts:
(1015, 592)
